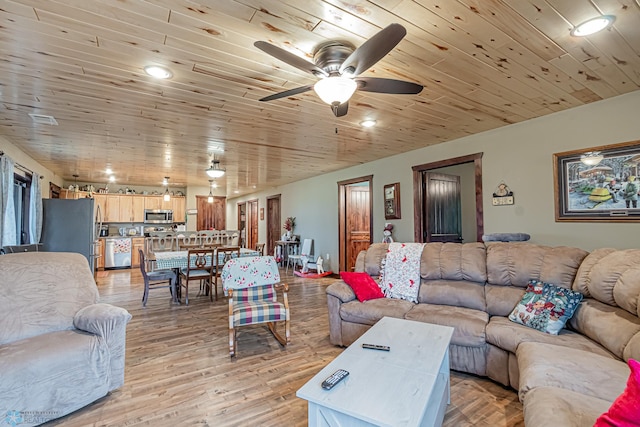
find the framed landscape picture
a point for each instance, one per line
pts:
(598, 184)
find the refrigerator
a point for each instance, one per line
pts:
(70, 225)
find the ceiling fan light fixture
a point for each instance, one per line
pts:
(158, 72)
(215, 171)
(593, 25)
(591, 158)
(335, 90)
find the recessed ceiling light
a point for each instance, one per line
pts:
(157, 72)
(108, 171)
(592, 26)
(368, 123)
(112, 178)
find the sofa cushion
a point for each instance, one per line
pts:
(37, 303)
(500, 300)
(454, 261)
(612, 327)
(508, 335)
(373, 258)
(362, 284)
(459, 293)
(552, 407)
(369, 312)
(469, 325)
(545, 307)
(625, 410)
(515, 263)
(571, 369)
(73, 363)
(612, 277)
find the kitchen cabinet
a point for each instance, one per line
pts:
(131, 208)
(179, 206)
(111, 211)
(153, 202)
(100, 254)
(137, 244)
(66, 194)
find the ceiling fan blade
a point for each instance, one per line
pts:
(340, 110)
(379, 85)
(373, 49)
(286, 93)
(290, 58)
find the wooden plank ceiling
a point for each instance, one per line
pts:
(484, 64)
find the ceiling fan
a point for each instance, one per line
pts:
(338, 65)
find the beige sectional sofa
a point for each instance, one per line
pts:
(567, 379)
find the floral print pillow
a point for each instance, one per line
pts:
(545, 307)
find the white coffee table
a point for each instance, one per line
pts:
(407, 386)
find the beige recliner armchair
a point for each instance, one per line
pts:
(59, 348)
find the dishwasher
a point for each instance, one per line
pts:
(117, 252)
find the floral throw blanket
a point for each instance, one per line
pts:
(400, 276)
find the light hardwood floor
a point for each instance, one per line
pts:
(178, 370)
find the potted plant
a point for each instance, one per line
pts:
(288, 225)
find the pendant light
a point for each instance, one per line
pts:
(210, 198)
(215, 171)
(167, 196)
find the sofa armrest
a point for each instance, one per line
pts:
(110, 323)
(342, 291)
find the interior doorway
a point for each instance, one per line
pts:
(273, 222)
(252, 224)
(471, 199)
(355, 219)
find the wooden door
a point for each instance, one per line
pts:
(443, 212)
(211, 216)
(357, 223)
(242, 223)
(273, 223)
(252, 223)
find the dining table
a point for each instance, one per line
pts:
(166, 260)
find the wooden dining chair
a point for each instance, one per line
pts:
(199, 267)
(260, 248)
(224, 254)
(157, 279)
(251, 284)
(190, 241)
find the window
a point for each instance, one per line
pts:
(21, 197)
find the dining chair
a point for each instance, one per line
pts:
(156, 280)
(161, 243)
(260, 248)
(297, 258)
(251, 284)
(224, 254)
(189, 241)
(199, 267)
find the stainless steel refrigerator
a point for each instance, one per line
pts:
(71, 226)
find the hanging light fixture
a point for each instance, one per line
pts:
(215, 171)
(167, 196)
(335, 90)
(210, 198)
(591, 158)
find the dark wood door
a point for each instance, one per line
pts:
(252, 223)
(211, 216)
(443, 213)
(357, 223)
(273, 222)
(242, 223)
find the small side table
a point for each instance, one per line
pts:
(287, 247)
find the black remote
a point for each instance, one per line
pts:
(334, 379)
(376, 347)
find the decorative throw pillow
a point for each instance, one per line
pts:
(363, 285)
(625, 410)
(545, 307)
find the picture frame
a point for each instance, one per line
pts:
(392, 201)
(598, 192)
(261, 214)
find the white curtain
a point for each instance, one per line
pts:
(8, 233)
(35, 210)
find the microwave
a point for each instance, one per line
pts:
(158, 216)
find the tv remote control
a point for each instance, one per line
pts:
(376, 347)
(334, 379)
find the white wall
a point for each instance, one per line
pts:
(520, 155)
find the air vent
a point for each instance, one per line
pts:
(42, 119)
